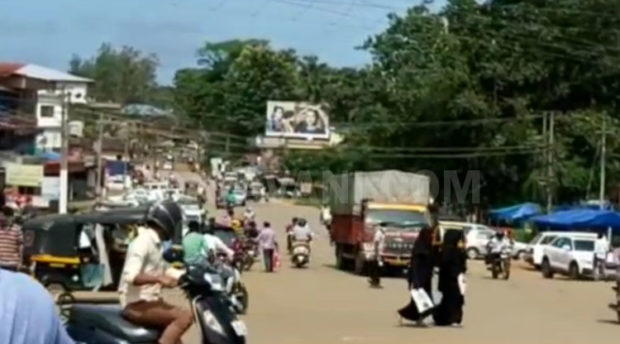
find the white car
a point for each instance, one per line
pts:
(569, 254)
(476, 236)
(534, 254)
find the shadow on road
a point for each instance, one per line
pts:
(390, 274)
(608, 322)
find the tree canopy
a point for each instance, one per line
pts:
(124, 75)
(465, 88)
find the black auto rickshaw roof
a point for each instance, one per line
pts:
(120, 216)
(58, 235)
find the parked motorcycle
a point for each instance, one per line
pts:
(204, 288)
(300, 254)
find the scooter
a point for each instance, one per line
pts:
(204, 288)
(300, 254)
(238, 293)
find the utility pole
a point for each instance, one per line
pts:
(126, 158)
(99, 155)
(550, 181)
(64, 155)
(601, 195)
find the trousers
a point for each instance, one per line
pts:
(174, 321)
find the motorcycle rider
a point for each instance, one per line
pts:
(248, 215)
(212, 248)
(301, 232)
(145, 273)
(497, 245)
(289, 234)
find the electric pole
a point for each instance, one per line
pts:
(601, 194)
(64, 155)
(549, 146)
(99, 155)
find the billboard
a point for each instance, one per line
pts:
(297, 120)
(24, 175)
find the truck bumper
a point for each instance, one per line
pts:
(401, 261)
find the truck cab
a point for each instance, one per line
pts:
(354, 235)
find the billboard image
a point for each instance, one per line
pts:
(297, 119)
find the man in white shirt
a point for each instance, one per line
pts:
(601, 247)
(302, 232)
(375, 266)
(145, 273)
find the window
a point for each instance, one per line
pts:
(548, 239)
(558, 243)
(536, 239)
(47, 111)
(584, 245)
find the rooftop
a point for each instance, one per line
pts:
(38, 72)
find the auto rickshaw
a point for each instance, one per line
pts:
(55, 252)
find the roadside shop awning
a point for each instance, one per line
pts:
(579, 219)
(516, 212)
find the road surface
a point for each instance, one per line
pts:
(321, 305)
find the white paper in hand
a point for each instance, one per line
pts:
(462, 284)
(422, 301)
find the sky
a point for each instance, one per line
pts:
(49, 32)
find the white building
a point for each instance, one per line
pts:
(39, 90)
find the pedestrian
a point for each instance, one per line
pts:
(452, 268)
(268, 244)
(420, 274)
(376, 265)
(11, 241)
(601, 247)
(28, 313)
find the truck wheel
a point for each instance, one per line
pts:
(340, 262)
(360, 264)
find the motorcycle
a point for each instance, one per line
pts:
(500, 264)
(238, 293)
(203, 287)
(300, 254)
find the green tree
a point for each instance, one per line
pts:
(122, 75)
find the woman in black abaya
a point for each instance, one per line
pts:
(420, 273)
(452, 263)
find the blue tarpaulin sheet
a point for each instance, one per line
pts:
(579, 219)
(516, 212)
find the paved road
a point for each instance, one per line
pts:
(321, 305)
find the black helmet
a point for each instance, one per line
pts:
(301, 222)
(166, 215)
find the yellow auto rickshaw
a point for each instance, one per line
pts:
(75, 252)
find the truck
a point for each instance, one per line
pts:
(362, 201)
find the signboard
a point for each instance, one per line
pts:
(24, 175)
(50, 188)
(296, 120)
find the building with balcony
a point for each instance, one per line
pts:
(28, 90)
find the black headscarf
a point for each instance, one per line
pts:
(424, 242)
(453, 251)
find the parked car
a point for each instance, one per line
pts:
(519, 250)
(569, 254)
(476, 235)
(534, 253)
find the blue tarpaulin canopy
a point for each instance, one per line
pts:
(579, 219)
(516, 212)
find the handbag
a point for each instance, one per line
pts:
(462, 283)
(421, 299)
